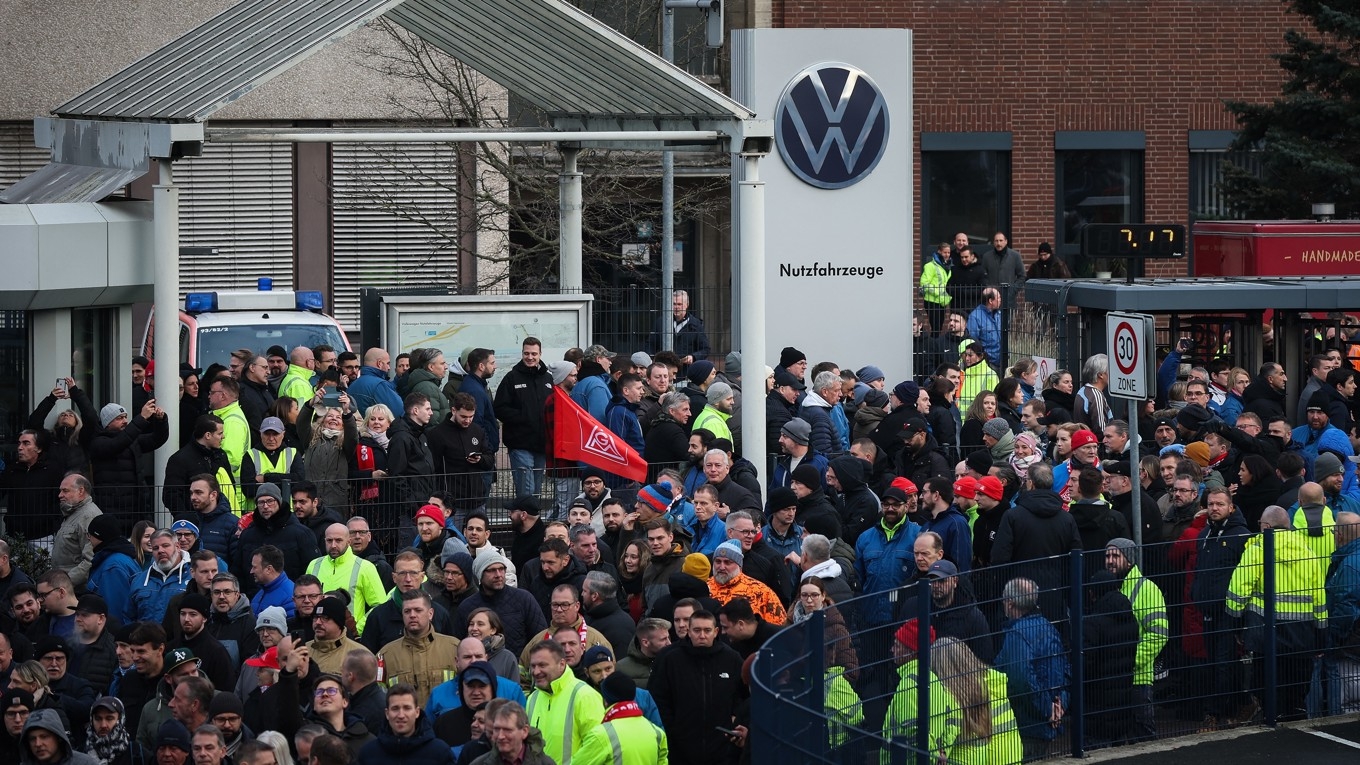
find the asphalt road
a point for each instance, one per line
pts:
(1321, 742)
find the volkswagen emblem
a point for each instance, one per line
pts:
(831, 125)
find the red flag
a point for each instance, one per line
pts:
(574, 435)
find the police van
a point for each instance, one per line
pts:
(213, 324)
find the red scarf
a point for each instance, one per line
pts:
(365, 461)
(623, 709)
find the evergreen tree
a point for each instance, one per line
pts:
(1308, 139)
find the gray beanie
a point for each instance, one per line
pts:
(731, 550)
(1126, 547)
(111, 412)
(1326, 465)
(452, 546)
(269, 490)
(732, 364)
(798, 429)
(997, 428)
(485, 559)
(560, 370)
(718, 391)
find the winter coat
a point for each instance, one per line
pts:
(153, 588)
(71, 549)
(816, 514)
(50, 721)
(96, 662)
(666, 445)
(193, 459)
(235, 630)
(1097, 524)
(883, 561)
(538, 584)
(114, 455)
(817, 412)
(111, 574)
(424, 381)
(859, 507)
(384, 623)
(690, 339)
(1218, 548)
(410, 464)
(921, 466)
(533, 753)
(592, 390)
(424, 662)
(564, 713)
(1035, 528)
(371, 388)
(420, 748)
(698, 690)
(952, 526)
(1035, 663)
(279, 593)
(34, 510)
(622, 420)
(777, 414)
(1109, 641)
(520, 399)
(450, 446)
(282, 530)
(520, 614)
(766, 565)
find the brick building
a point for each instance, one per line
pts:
(1032, 117)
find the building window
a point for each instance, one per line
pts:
(965, 186)
(1099, 180)
(1209, 155)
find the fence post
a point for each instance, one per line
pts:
(923, 754)
(1271, 678)
(815, 665)
(1074, 715)
(1007, 319)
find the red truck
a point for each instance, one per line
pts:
(1276, 248)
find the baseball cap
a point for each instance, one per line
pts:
(1055, 416)
(941, 569)
(597, 351)
(111, 703)
(475, 673)
(1116, 467)
(269, 659)
(911, 427)
(596, 654)
(271, 425)
(178, 657)
(783, 377)
(91, 603)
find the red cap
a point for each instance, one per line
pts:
(269, 659)
(991, 486)
(966, 487)
(1082, 438)
(905, 485)
(431, 512)
(909, 635)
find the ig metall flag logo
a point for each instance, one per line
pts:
(832, 125)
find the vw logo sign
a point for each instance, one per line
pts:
(831, 125)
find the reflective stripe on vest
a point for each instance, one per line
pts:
(315, 570)
(287, 454)
(571, 718)
(226, 487)
(615, 745)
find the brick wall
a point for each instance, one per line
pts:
(1160, 66)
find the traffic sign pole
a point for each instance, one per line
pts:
(1129, 338)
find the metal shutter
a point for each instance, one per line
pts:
(18, 155)
(237, 199)
(395, 219)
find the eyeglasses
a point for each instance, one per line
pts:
(360, 532)
(746, 532)
(219, 593)
(1179, 490)
(43, 595)
(328, 691)
(406, 574)
(561, 606)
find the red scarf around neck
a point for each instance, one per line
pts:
(623, 709)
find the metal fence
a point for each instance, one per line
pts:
(830, 690)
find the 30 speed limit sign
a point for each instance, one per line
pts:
(1128, 336)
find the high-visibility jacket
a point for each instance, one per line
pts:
(297, 382)
(1003, 747)
(1149, 607)
(1323, 545)
(1300, 584)
(564, 714)
(934, 278)
(235, 436)
(843, 707)
(355, 575)
(714, 422)
(903, 717)
(630, 740)
(976, 379)
(282, 463)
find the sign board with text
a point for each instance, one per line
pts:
(1129, 341)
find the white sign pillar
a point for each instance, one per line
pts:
(1129, 340)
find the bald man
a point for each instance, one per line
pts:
(297, 381)
(373, 387)
(341, 569)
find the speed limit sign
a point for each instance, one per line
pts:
(1128, 336)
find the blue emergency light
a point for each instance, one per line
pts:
(200, 302)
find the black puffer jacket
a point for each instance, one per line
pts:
(191, 460)
(1220, 547)
(923, 465)
(1035, 528)
(859, 508)
(520, 399)
(32, 493)
(667, 445)
(409, 462)
(816, 514)
(534, 581)
(282, 530)
(113, 459)
(698, 690)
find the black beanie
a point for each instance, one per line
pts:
(790, 356)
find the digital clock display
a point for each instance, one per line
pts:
(1133, 240)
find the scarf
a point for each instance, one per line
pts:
(379, 438)
(331, 434)
(107, 748)
(623, 709)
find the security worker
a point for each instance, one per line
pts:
(224, 395)
(562, 707)
(626, 737)
(899, 725)
(1149, 608)
(1300, 604)
(341, 569)
(275, 463)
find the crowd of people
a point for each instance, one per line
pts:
(338, 584)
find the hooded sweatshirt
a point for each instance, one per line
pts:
(50, 721)
(859, 508)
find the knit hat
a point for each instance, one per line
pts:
(594, 655)
(979, 461)
(868, 374)
(1199, 452)
(876, 398)
(907, 392)
(560, 370)
(124, 633)
(271, 425)
(17, 697)
(697, 566)
(798, 430)
(1193, 417)
(905, 484)
(104, 527)
(656, 496)
(1326, 464)
(780, 498)
(732, 363)
(453, 546)
(526, 503)
(332, 608)
(1126, 547)
(997, 428)
(111, 412)
(267, 660)
(618, 687)
(640, 359)
(1318, 400)
(431, 512)
(991, 486)
(718, 391)
(1082, 438)
(1045, 247)
(225, 703)
(196, 601)
(276, 352)
(909, 635)
(51, 644)
(268, 490)
(731, 550)
(182, 525)
(173, 733)
(790, 356)
(808, 475)
(966, 487)
(273, 617)
(699, 371)
(1176, 449)
(486, 559)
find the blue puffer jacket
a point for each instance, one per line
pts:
(782, 474)
(486, 411)
(884, 562)
(592, 393)
(1311, 442)
(1343, 597)
(707, 539)
(111, 574)
(1035, 664)
(217, 529)
(152, 589)
(277, 593)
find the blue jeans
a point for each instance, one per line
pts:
(526, 469)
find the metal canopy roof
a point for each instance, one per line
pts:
(1200, 295)
(557, 57)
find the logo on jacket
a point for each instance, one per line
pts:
(600, 443)
(831, 125)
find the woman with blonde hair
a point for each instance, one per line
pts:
(989, 735)
(330, 435)
(368, 458)
(279, 743)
